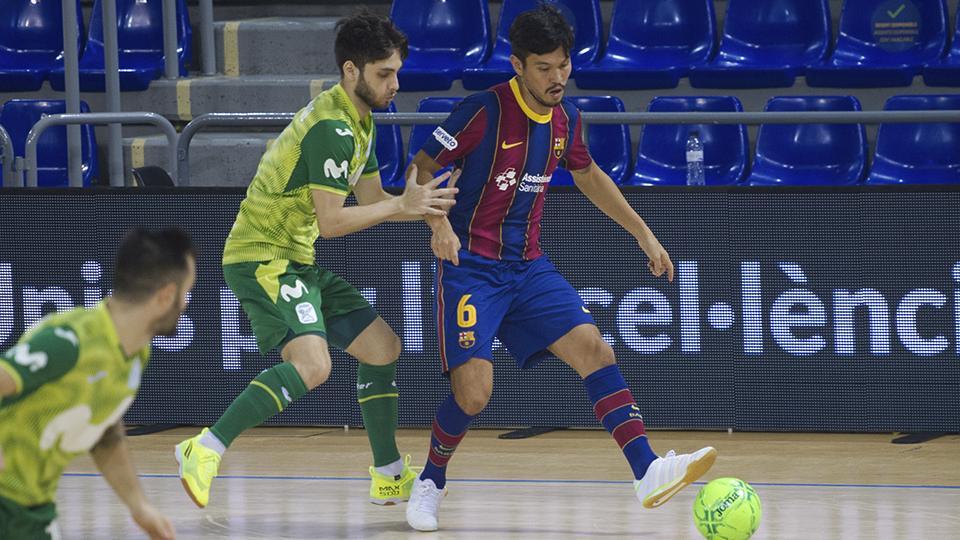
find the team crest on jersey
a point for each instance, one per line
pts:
(467, 339)
(559, 145)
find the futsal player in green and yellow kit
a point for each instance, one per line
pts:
(65, 386)
(296, 196)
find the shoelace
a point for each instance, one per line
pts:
(668, 466)
(429, 498)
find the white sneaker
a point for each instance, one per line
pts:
(669, 474)
(423, 507)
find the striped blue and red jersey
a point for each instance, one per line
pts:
(508, 154)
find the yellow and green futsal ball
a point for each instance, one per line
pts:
(727, 509)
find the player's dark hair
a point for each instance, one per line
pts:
(540, 31)
(367, 37)
(149, 259)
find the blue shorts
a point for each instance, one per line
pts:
(527, 305)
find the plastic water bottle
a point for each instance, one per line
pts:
(695, 160)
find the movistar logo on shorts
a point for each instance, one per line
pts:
(447, 140)
(287, 292)
(534, 183)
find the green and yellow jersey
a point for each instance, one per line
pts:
(328, 147)
(73, 383)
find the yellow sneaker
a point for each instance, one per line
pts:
(386, 490)
(198, 468)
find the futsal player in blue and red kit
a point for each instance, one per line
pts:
(493, 280)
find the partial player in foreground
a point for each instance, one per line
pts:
(493, 280)
(65, 386)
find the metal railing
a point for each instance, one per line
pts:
(263, 120)
(8, 161)
(207, 51)
(112, 82)
(71, 83)
(171, 62)
(130, 118)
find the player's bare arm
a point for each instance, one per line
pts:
(444, 242)
(334, 219)
(8, 386)
(604, 194)
(113, 460)
(369, 190)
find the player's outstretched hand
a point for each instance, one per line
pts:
(154, 523)
(428, 199)
(660, 262)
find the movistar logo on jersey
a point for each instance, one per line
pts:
(534, 183)
(331, 170)
(447, 140)
(34, 360)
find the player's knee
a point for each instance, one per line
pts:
(392, 350)
(603, 353)
(314, 369)
(383, 354)
(597, 354)
(472, 401)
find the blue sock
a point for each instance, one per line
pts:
(449, 427)
(618, 412)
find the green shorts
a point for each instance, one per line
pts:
(285, 299)
(22, 523)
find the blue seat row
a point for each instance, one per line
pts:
(31, 44)
(653, 43)
(19, 115)
(802, 154)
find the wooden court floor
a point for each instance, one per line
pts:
(312, 483)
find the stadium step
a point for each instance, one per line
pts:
(184, 99)
(276, 46)
(216, 159)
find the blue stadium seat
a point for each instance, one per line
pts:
(767, 44)
(583, 15)
(875, 49)
(918, 153)
(661, 159)
(810, 154)
(390, 152)
(445, 37)
(31, 39)
(140, 40)
(652, 44)
(420, 133)
(609, 144)
(19, 115)
(945, 71)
